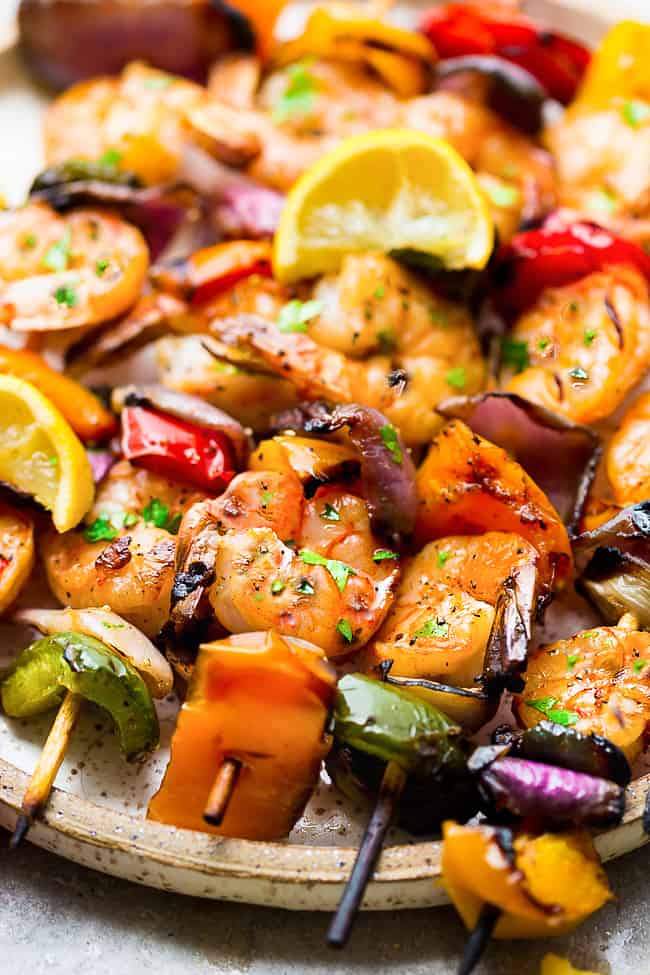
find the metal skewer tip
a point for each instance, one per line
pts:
(391, 788)
(221, 792)
(49, 763)
(479, 938)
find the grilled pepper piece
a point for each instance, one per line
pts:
(40, 677)
(375, 724)
(260, 700)
(544, 885)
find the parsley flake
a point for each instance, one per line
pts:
(383, 554)
(456, 378)
(305, 588)
(66, 295)
(502, 195)
(329, 513)
(57, 257)
(590, 335)
(339, 571)
(277, 586)
(635, 113)
(380, 291)
(101, 266)
(299, 95)
(266, 497)
(390, 440)
(111, 158)
(30, 241)
(433, 628)
(113, 626)
(603, 199)
(442, 558)
(546, 706)
(514, 354)
(572, 659)
(639, 665)
(343, 627)
(543, 345)
(101, 530)
(156, 513)
(295, 315)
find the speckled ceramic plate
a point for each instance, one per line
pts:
(96, 815)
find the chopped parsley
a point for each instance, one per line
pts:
(456, 378)
(603, 199)
(433, 628)
(543, 345)
(329, 513)
(66, 295)
(514, 354)
(546, 706)
(438, 317)
(113, 626)
(156, 513)
(57, 257)
(379, 292)
(266, 497)
(295, 315)
(53, 461)
(387, 340)
(572, 659)
(30, 241)
(110, 158)
(390, 440)
(299, 95)
(502, 195)
(101, 266)
(343, 627)
(639, 665)
(277, 586)
(383, 554)
(442, 558)
(339, 571)
(305, 588)
(101, 530)
(635, 113)
(579, 373)
(590, 335)
(159, 82)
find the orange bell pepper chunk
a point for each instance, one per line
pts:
(262, 700)
(555, 882)
(306, 456)
(467, 486)
(83, 411)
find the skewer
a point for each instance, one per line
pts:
(49, 763)
(391, 788)
(221, 792)
(479, 938)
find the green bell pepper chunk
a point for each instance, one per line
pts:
(40, 677)
(395, 726)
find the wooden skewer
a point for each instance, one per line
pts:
(221, 792)
(479, 938)
(391, 788)
(49, 763)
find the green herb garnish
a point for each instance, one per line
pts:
(456, 378)
(442, 558)
(295, 315)
(514, 354)
(305, 588)
(277, 586)
(579, 373)
(57, 257)
(635, 112)
(590, 335)
(383, 554)
(339, 571)
(433, 628)
(343, 627)
(101, 266)
(299, 95)
(66, 295)
(329, 513)
(101, 530)
(390, 440)
(156, 513)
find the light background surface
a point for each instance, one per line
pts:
(58, 918)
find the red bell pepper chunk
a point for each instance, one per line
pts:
(176, 449)
(557, 62)
(556, 255)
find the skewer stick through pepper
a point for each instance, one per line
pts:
(65, 668)
(221, 792)
(380, 725)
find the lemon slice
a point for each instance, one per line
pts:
(41, 455)
(394, 189)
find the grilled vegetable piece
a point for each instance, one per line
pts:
(531, 434)
(565, 747)
(308, 457)
(597, 681)
(469, 707)
(627, 458)
(376, 723)
(615, 563)
(263, 701)
(544, 885)
(467, 485)
(38, 680)
(523, 788)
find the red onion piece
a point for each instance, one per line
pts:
(507, 650)
(101, 462)
(525, 788)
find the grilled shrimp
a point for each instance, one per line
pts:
(279, 561)
(16, 553)
(65, 272)
(124, 557)
(602, 155)
(588, 345)
(145, 119)
(628, 455)
(417, 348)
(439, 624)
(597, 681)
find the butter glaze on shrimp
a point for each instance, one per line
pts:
(133, 572)
(66, 272)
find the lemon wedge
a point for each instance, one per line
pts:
(41, 455)
(390, 190)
